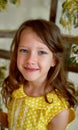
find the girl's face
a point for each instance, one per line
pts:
(34, 58)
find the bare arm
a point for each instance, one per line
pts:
(3, 119)
(60, 121)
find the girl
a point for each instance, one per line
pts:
(36, 92)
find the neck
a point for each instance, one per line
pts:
(34, 89)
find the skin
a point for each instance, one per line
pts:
(60, 121)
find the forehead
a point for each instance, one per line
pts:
(28, 32)
(30, 38)
(29, 35)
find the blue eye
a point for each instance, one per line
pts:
(42, 52)
(24, 50)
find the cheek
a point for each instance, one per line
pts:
(19, 61)
(47, 63)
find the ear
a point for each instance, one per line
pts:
(53, 62)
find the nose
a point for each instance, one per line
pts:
(32, 58)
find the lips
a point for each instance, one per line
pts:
(31, 69)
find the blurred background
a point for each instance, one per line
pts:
(63, 12)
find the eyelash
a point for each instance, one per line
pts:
(27, 51)
(42, 52)
(24, 50)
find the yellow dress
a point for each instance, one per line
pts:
(34, 113)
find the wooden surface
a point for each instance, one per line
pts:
(7, 34)
(4, 54)
(53, 10)
(70, 39)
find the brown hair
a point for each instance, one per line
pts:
(51, 36)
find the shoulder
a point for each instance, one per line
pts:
(60, 121)
(58, 106)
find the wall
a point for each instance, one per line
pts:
(13, 16)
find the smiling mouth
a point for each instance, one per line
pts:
(31, 69)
